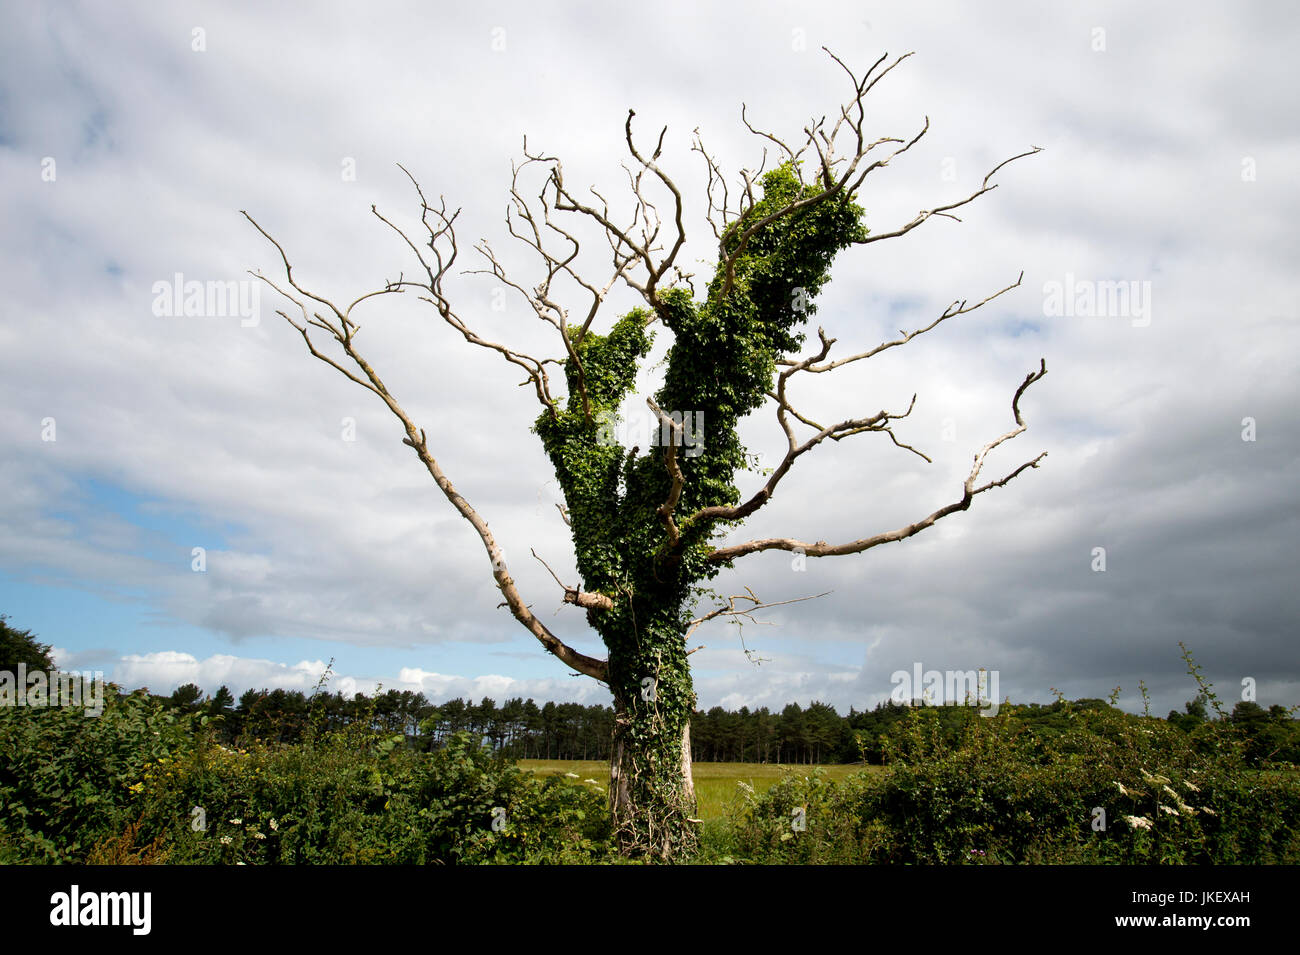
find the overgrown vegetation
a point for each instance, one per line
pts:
(144, 783)
(1090, 785)
(150, 781)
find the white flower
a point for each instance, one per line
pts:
(236, 822)
(275, 825)
(572, 775)
(225, 840)
(257, 835)
(1122, 790)
(1153, 779)
(1190, 786)
(1209, 810)
(1172, 812)
(1138, 822)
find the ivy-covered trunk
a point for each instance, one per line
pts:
(651, 790)
(649, 510)
(645, 519)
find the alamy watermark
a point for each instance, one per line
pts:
(1085, 298)
(76, 907)
(938, 687)
(41, 688)
(177, 298)
(682, 429)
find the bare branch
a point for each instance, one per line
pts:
(731, 610)
(969, 491)
(572, 595)
(945, 210)
(666, 509)
(953, 310)
(343, 331)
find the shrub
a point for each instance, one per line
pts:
(358, 798)
(65, 776)
(142, 783)
(1106, 788)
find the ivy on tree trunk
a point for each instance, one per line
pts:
(646, 522)
(622, 504)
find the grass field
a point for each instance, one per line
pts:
(716, 788)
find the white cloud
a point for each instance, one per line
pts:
(158, 146)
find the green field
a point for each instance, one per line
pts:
(716, 784)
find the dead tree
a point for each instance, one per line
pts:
(646, 523)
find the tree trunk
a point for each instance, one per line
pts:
(651, 788)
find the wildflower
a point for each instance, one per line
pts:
(1172, 812)
(1138, 822)
(592, 781)
(275, 825)
(1207, 809)
(1194, 788)
(236, 822)
(1153, 779)
(572, 775)
(225, 840)
(1122, 790)
(257, 835)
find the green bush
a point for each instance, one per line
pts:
(65, 776)
(142, 783)
(357, 798)
(1106, 788)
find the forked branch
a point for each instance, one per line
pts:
(731, 610)
(969, 492)
(343, 330)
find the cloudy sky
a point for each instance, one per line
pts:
(132, 135)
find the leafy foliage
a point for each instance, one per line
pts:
(1110, 788)
(145, 783)
(720, 365)
(21, 646)
(65, 778)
